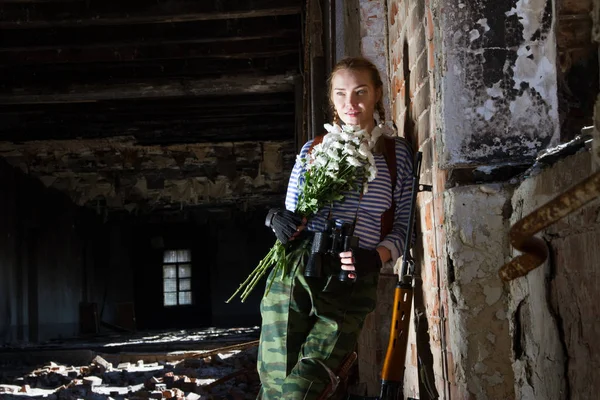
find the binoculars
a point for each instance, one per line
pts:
(326, 247)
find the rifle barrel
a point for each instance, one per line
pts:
(406, 257)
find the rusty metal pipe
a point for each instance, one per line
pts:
(522, 233)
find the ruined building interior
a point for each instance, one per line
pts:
(142, 143)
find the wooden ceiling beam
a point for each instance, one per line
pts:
(207, 117)
(119, 47)
(148, 33)
(155, 106)
(113, 13)
(78, 93)
(164, 133)
(94, 124)
(198, 68)
(41, 1)
(243, 47)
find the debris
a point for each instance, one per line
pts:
(224, 373)
(102, 364)
(92, 380)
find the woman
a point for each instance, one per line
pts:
(310, 325)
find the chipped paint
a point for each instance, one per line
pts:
(479, 331)
(549, 309)
(499, 88)
(483, 23)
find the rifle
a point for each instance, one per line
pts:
(392, 373)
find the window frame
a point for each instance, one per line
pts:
(177, 264)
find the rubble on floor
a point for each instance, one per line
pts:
(223, 373)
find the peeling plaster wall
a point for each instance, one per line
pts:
(117, 173)
(476, 242)
(554, 309)
(498, 82)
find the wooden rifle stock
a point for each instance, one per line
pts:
(392, 372)
(393, 365)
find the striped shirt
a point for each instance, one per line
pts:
(372, 205)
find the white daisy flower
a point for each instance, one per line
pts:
(372, 173)
(354, 162)
(349, 128)
(321, 161)
(337, 145)
(371, 160)
(333, 154)
(331, 138)
(364, 150)
(350, 149)
(347, 136)
(332, 128)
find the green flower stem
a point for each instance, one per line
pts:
(256, 274)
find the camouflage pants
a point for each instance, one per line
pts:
(306, 319)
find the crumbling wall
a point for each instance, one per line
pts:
(554, 309)
(118, 173)
(498, 81)
(476, 225)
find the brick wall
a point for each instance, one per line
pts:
(410, 60)
(412, 45)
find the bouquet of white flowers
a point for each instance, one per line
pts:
(337, 165)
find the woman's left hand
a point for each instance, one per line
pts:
(348, 263)
(366, 261)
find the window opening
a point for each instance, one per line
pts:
(177, 278)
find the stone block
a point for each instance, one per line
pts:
(102, 364)
(92, 380)
(477, 245)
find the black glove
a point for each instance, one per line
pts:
(365, 262)
(283, 222)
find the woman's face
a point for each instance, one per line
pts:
(354, 97)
